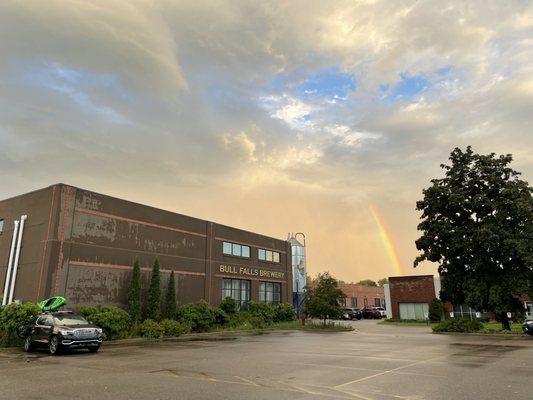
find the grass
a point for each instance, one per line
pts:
(309, 325)
(496, 327)
(488, 327)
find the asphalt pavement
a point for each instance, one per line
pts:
(373, 362)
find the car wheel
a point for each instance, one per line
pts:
(53, 345)
(28, 344)
(93, 349)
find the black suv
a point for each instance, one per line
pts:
(62, 330)
(351, 313)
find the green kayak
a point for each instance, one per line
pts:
(52, 304)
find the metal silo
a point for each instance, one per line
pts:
(299, 271)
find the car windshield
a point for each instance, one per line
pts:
(70, 320)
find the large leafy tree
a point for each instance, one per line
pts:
(134, 293)
(383, 281)
(154, 294)
(324, 299)
(477, 224)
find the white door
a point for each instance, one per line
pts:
(414, 310)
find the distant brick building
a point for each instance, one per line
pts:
(409, 296)
(360, 296)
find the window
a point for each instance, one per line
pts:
(354, 302)
(270, 292)
(234, 249)
(414, 310)
(377, 302)
(268, 255)
(366, 302)
(237, 289)
(1, 225)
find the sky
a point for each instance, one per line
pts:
(322, 117)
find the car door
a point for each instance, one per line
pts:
(38, 330)
(47, 328)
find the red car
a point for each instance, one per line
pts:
(371, 313)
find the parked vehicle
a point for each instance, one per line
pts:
(61, 330)
(351, 313)
(371, 313)
(527, 327)
(382, 312)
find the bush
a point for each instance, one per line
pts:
(436, 309)
(221, 317)
(247, 320)
(284, 312)
(115, 322)
(199, 316)
(11, 317)
(262, 310)
(229, 306)
(458, 325)
(151, 329)
(173, 328)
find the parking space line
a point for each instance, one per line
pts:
(389, 371)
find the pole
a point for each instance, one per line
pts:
(7, 283)
(16, 262)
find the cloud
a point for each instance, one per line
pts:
(272, 116)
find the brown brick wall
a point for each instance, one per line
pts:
(410, 289)
(361, 292)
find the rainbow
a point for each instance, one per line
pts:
(392, 252)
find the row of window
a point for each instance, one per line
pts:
(268, 255)
(234, 249)
(240, 250)
(240, 291)
(377, 302)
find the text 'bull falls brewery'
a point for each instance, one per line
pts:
(71, 242)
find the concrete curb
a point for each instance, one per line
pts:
(513, 336)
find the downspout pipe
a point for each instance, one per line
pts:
(16, 262)
(7, 283)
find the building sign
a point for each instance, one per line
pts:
(251, 271)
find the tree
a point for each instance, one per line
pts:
(368, 282)
(170, 298)
(154, 295)
(477, 224)
(383, 281)
(134, 293)
(435, 310)
(324, 298)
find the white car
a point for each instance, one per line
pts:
(381, 311)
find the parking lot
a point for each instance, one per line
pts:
(372, 362)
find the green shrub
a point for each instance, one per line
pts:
(151, 329)
(229, 306)
(173, 328)
(262, 310)
(284, 312)
(436, 308)
(16, 314)
(115, 322)
(11, 317)
(154, 293)
(199, 316)
(458, 325)
(221, 317)
(247, 320)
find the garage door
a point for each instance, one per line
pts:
(413, 310)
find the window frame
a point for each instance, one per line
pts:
(236, 249)
(272, 254)
(272, 288)
(236, 288)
